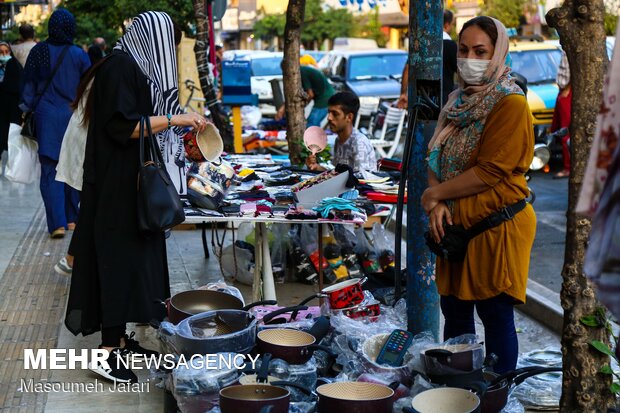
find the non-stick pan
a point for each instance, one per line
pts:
(192, 302)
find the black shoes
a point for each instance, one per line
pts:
(134, 347)
(114, 368)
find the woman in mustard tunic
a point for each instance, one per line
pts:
(478, 157)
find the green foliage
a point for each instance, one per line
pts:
(506, 11)
(107, 18)
(369, 27)
(599, 320)
(319, 24)
(611, 16)
(270, 26)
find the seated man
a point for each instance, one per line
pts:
(352, 147)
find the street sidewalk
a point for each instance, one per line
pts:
(33, 299)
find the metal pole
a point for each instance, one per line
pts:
(424, 87)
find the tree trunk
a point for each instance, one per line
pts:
(582, 35)
(208, 90)
(294, 96)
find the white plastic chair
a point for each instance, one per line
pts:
(385, 148)
(367, 110)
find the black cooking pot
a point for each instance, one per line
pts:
(355, 397)
(253, 398)
(192, 302)
(499, 386)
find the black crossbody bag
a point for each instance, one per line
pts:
(453, 246)
(29, 129)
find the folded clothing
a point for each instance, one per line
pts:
(328, 205)
(300, 213)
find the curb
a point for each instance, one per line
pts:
(543, 305)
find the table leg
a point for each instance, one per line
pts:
(269, 287)
(320, 261)
(205, 244)
(257, 284)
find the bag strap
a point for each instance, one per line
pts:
(49, 80)
(497, 218)
(142, 141)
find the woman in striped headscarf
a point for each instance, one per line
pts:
(119, 274)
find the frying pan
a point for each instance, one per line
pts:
(192, 302)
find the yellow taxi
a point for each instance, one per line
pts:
(538, 62)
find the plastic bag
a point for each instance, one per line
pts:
(250, 116)
(238, 264)
(359, 342)
(383, 247)
(366, 253)
(197, 389)
(23, 166)
(543, 390)
(222, 287)
(278, 251)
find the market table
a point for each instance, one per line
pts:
(263, 270)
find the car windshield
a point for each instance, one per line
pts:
(537, 66)
(376, 66)
(267, 66)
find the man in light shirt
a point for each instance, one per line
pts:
(22, 49)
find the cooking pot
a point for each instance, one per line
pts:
(215, 332)
(292, 346)
(455, 358)
(445, 400)
(252, 398)
(192, 302)
(371, 311)
(500, 386)
(345, 294)
(355, 397)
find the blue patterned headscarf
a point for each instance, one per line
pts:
(61, 27)
(61, 31)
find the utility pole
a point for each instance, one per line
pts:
(424, 97)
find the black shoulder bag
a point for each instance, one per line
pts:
(159, 205)
(453, 245)
(28, 127)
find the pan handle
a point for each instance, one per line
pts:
(534, 372)
(263, 371)
(304, 302)
(510, 376)
(282, 310)
(264, 302)
(304, 389)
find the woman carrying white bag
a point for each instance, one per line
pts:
(23, 165)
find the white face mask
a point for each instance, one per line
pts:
(5, 58)
(472, 70)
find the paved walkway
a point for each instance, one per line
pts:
(33, 299)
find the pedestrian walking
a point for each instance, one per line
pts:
(120, 274)
(562, 114)
(11, 74)
(96, 51)
(22, 49)
(479, 154)
(51, 76)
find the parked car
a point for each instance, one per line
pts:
(264, 67)
(538, 62)
(370, 74)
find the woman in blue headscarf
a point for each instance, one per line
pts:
(49, 95)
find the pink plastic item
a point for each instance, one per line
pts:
(315, 139)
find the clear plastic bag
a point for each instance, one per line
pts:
(195, 388)
(222, 287)
(543, 390)
(279, 248)
(464, 343)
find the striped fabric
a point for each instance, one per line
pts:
(150, 41)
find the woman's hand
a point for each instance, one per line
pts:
(429, 199)
(194, 120)
(436, 218)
